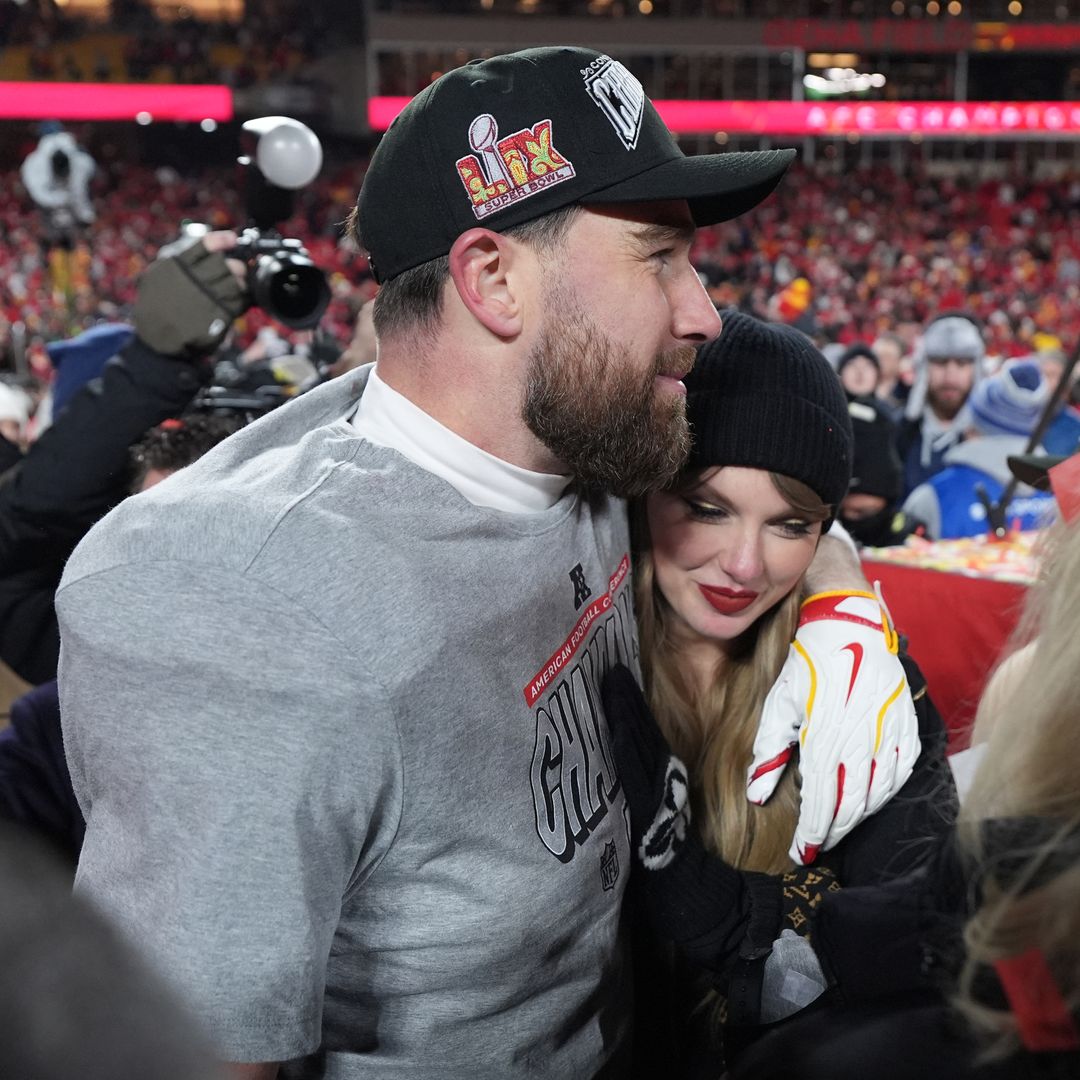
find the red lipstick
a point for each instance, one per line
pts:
(728, 601)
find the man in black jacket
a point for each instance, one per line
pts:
(79, 469)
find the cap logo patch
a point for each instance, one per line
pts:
(511, 169)
(620, 97)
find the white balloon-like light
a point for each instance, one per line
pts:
(289, 153)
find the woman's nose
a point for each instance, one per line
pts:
(742, 559)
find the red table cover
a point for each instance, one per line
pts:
(957, 626)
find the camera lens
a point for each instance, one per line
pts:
(292, 289)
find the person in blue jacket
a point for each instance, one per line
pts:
(1001, 413)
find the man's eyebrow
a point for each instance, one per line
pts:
(648, 235)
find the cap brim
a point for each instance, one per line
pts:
(718, 187)
(1033, 469)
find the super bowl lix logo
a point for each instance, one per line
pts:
(511, 169)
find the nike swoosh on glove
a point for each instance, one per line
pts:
(842, 698)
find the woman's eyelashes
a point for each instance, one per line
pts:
(705, 511)
(793, 527)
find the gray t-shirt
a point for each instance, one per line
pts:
(337, 736)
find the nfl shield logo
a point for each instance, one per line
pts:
(609, 866)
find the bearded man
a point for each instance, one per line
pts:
(948, 363)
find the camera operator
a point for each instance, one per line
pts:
(79, 469)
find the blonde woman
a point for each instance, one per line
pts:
(721, 565)
(980, 976)
(1019, 834)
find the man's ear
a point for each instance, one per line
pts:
(482, 265)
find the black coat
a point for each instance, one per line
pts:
(893, 953)
(72, 476)
(673, 1036)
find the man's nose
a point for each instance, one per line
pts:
(694, 318)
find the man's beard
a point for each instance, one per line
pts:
(945, 410)
(606, 422)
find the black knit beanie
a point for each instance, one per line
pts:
(853, 352)
(761, 396)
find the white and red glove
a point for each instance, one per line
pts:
(842, 697)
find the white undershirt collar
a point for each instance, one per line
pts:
(386, 418)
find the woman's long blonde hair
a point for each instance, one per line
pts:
(1030, 891)
(713, 732)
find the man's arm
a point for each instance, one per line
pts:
(230, 801)
(835, 568)
(79, 468)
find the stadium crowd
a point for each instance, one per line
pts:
(866, 252)
(847, 256)
(55, 293)
(43, 42)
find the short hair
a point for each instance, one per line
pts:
(412, 300)
(175, 444)
(894, 339)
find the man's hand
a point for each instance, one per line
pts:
(189, 296)
(842, 698)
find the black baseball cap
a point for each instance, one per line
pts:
(502, 141)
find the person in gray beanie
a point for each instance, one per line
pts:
(997, 421)
(948, 363)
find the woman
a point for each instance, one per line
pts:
(983, 977)
(720, 569)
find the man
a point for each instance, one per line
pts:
(74, 474)
(330, 695)
(1000, 415)
(947, 365)
(891, 388)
